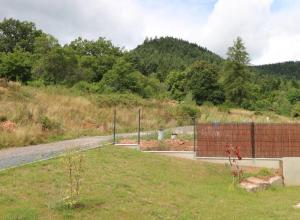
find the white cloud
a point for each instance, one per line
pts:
(270, 28)
(232, 18)
(270, 36)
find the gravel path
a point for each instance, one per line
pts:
(17, 156)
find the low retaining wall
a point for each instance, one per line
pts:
(181, 154)
(291, 171)
(273, 163)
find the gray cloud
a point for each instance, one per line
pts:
(271, 33)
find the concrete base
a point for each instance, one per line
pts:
(181, 154)
(291, 171)
(273, 163)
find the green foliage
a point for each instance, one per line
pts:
(159, 68)
(3, 118)
(188, 107)
(294, 95)
(202, 81)
(87, 87)
(17, 34)
(43, 44)
(290, 69)
(176, 84)
(124, 78)
(58, 66)
(16, 65)
(235, 74)
(296, 110)
(165, 54)
(36, 83)
(96, 57)
(48, 124)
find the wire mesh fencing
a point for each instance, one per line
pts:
(163, 132)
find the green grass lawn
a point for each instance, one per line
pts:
(128, 184)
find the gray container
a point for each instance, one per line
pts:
(160, 134)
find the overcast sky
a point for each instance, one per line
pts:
(270, 28)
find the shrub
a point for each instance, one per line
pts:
(186, 110)
(234, 155)
(74, 169)
(296, 110)
(36, 83)
(48, 124)
(3, 118)
(87, 87)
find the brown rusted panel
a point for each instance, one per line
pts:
(271, 140)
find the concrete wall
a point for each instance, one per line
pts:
(257, 162)
(291, 171)
(181, 154)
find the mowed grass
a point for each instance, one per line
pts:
(128, 184)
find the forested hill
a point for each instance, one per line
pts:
(289, 69)
(161, 55)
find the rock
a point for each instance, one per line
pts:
(8, 126)
(258, 181)
(250, 187)
(297, 206)
(276, 181)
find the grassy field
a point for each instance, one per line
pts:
(55, 113)
(128, 184)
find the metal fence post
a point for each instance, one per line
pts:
(194, 122)
(114, 126)
(139, 127)
(253, 140)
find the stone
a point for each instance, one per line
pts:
(258, 181)
(297, 206)
(276, 181)
(250, 187)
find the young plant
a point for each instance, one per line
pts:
(234, 156)
(74, 169)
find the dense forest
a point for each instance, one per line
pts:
(159, 68)
(290, 70)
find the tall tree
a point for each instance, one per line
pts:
(236, 74)
(58, 66)
(96, 57)
(202, 81)
(15, 33)
(16, 66)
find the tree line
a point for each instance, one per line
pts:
(159, 68)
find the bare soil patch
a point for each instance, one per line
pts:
(165, 145)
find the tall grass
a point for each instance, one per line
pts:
(36, 110)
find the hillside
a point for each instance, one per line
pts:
(30, 115)
(289, 69)
(160, 69)
(161, 55)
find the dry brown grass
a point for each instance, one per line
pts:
(86, 115)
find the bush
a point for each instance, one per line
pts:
(87, 87)
(48, 124)
(187, 110)
(36, 83)
(224, 108)
(296, 110)
(3, 118)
